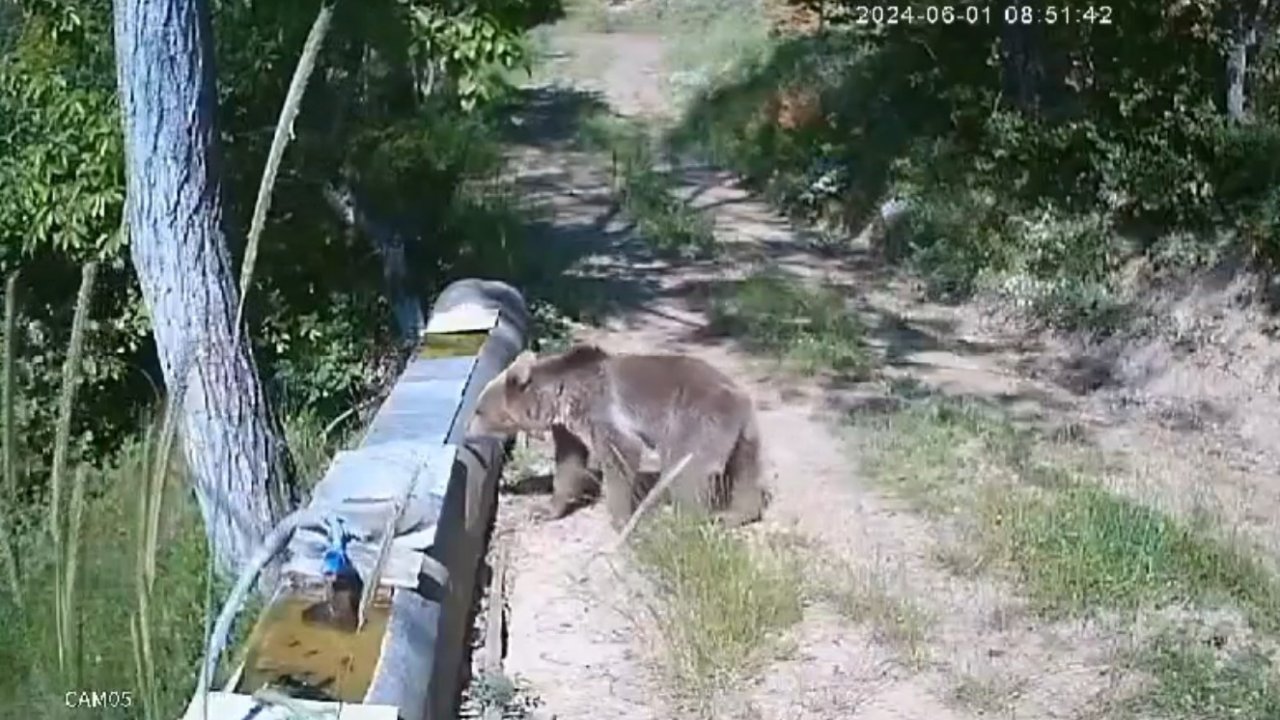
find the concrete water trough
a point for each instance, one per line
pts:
(417, 473)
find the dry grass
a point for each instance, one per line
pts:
(882, 600)
(986, 695)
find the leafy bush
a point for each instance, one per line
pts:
(1116, 137)
(669, 224)
(316, 313)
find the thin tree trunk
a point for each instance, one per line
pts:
(1237, 68)
(233, 444)
(389, 243)
(387, 240)
(1022, 63)
(1249, 23)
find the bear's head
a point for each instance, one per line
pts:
(534, 393)
(506, 404)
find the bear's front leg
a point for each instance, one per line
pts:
(621, 459)
(572, 479)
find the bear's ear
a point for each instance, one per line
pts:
(521, 370)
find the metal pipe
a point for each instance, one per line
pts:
(271, 546)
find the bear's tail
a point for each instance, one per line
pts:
(744, 470)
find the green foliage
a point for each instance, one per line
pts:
(811, 329)
(719, 601)
(669, 224)
(1110, 137)
(116, 601)
(132, 577)
(105, 601)
(474, 44)
(316, 311)
(64, 194)
(314, 439)
(64, 637)
(1194, 681)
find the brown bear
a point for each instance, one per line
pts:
(634, 416)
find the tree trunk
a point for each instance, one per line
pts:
(389, 243)
(1237, 67)
(233, 444)
(1249, 23)
(1022, 63)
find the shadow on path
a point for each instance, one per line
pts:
(593, 267)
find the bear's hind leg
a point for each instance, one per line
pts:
(742, 481)
(746, 505)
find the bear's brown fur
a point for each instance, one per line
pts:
(623, 413)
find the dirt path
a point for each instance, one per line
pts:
(577, 640)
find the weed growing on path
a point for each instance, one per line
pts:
(669, 224)
(866, 595)
(497, 695)
(809, 329)
(986, 695)
(719, 602)
(1196, 681)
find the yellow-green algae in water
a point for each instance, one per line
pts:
(441, 345)
(331, 664)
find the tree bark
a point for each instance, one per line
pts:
(1249, 23)
(386, 237)
(389, 243)
(1022, 63)
(233, 443)
(1237, 66)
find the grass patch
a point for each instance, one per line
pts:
(932, 453)
(719, 602)
(1195, 681)
(313, 441)
(106, 599)
(985, 695)
(1037, 509)
(1083, 547)
(111, 588)
(866, 596)
(30, 681)
(669, 224)
(810, 329)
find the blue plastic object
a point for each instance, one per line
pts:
(335, 561)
